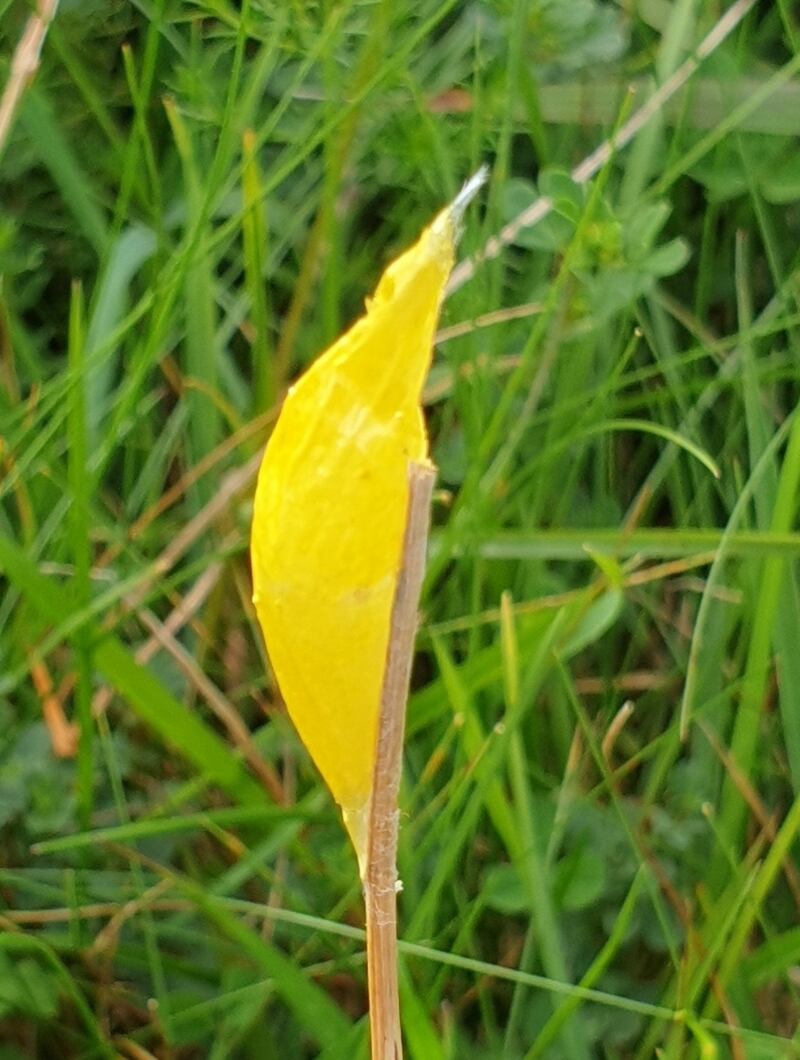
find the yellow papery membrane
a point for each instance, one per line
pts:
(330, 513)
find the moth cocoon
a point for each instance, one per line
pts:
(330, 510)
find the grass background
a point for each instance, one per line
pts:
(602, 786)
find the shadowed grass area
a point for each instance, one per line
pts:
(599, 845)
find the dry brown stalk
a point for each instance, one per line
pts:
(380, 874)
(63, 733)
(24, 64)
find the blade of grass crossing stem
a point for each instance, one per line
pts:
(154, 704)
(79, 523)
(449, 959)
(531, 863)
(254, 237)
(745, 738)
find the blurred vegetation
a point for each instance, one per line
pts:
(602, 789)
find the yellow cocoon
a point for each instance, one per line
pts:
(330, 511)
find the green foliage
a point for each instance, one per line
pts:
(27, 990)
(602, 794)
(36, 795)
